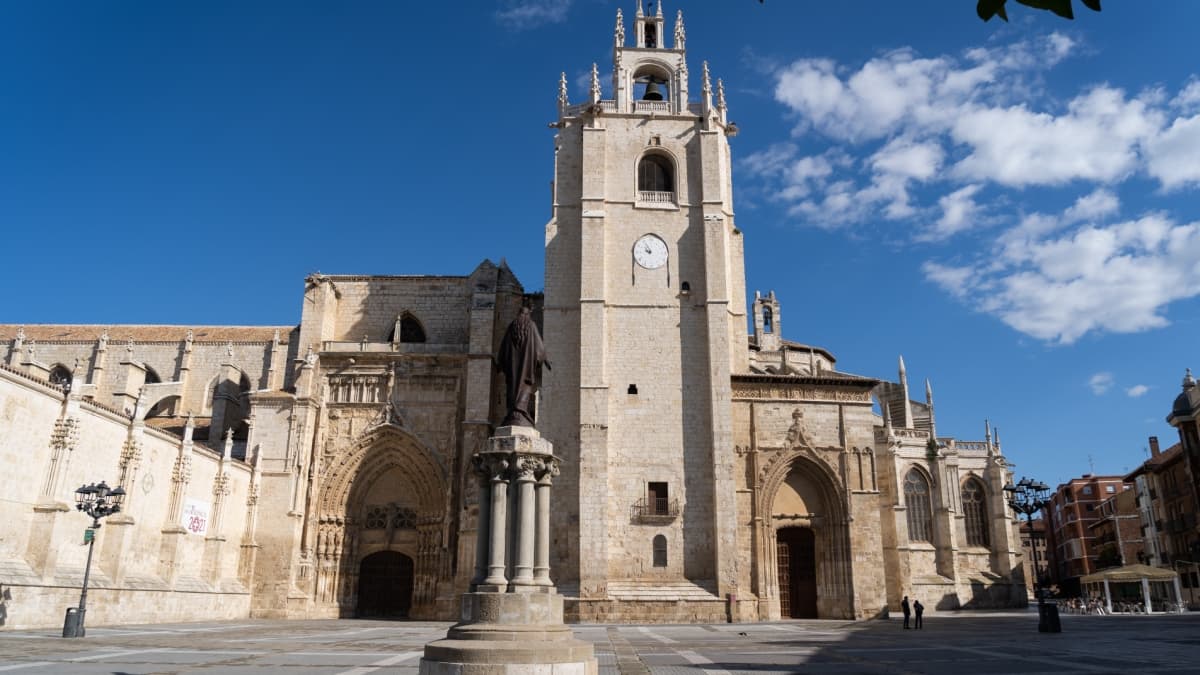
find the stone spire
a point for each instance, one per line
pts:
(562, 94)
(720, 96)
(905, 405)
(595, 89)
(1188, 380)
(639, 8)
(929, 404)
(680, 34)
(659, 12)
(619, 31)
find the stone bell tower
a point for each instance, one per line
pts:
(645, 321)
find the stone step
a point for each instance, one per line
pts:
(663, 591)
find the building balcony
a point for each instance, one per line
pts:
(364, 346)
(654, 511)
(652, 106)
(656, 199)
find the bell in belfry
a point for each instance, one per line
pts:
(653, 93)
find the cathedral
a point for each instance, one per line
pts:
(711, 469)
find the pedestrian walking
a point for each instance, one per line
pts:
(919, 609)
(904, 608)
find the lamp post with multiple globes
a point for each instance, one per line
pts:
(1029, 497)
(98, 501)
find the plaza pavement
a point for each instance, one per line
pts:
(977, 643)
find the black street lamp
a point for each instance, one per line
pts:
(98, 501)
(1029, 497)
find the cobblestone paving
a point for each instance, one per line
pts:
(975, 643)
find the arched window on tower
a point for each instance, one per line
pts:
(660, 551)
(768, 320)
(60, 376)
(974, 505)
(656, 180)
(916, 502)
(651, 36)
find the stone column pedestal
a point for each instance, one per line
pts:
(512, 621)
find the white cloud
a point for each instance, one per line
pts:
(1100, 383)
(1136, 390)
(959, 212)
(917, 140)
(957, 281)
(1188, 98)
(1096, 139)
(1100, 203)
(1174, 155)
(1118, 278)
(527, 14)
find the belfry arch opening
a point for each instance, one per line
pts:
(651, 85)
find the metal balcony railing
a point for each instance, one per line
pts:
(654, 510)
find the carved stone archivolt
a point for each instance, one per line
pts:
(777, 468)
(378, 451)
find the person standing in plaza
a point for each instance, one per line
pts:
(904, 608)
(919, 609)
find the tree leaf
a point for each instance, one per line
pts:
(986, 9)
(1059, 7)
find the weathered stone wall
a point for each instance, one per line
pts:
(145, 566)
(368, 307)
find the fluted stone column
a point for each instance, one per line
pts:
(482, 523)
(497, 530)
(541, 558)
(525, 521)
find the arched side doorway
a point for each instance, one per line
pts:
(385, 585)
(797, 560)
(805, 568)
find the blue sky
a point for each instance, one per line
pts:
(1011, 207)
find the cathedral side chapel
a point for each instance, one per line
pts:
(711, 470)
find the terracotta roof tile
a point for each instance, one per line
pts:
(140, 333)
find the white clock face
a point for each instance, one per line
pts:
(650, 252)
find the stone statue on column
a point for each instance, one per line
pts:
(521, 357)
(512, 616)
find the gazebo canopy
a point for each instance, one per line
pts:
(1131, 573)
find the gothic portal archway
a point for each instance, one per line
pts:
(806, 571)
(385, 585)
(385, 497)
